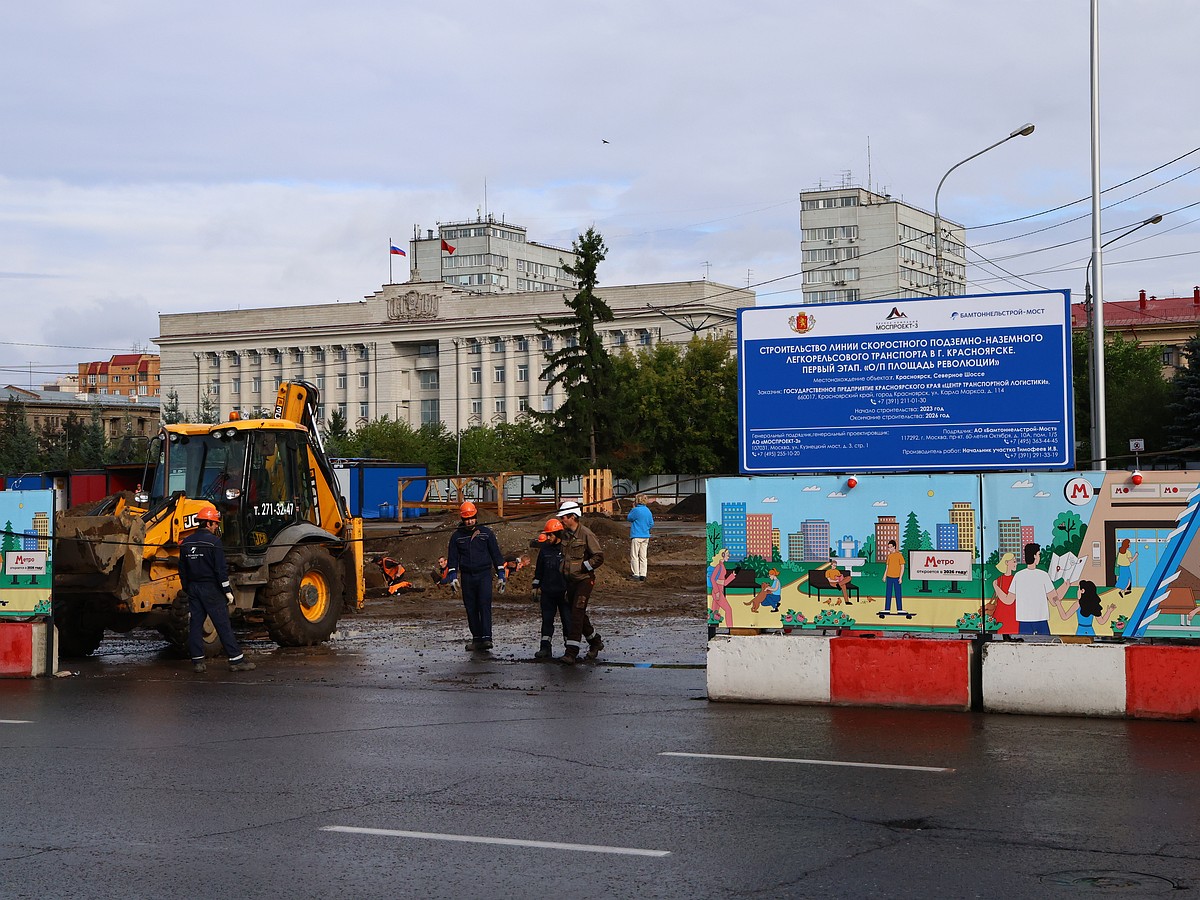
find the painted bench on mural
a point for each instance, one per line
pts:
(818, 580)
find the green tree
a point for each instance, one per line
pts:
(336, 430)
(171, 413)
(581, 366)
(1068, 533)
(1135, 398)
(868, 548)
(1183, 406)
(208, 411)
(10, 543)
(18, 443)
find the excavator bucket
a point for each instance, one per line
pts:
(99, 554)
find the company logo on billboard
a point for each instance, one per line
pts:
(1078, 492)
(802, 323)
(896, 321)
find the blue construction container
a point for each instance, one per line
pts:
(370, 487)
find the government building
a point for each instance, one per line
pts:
(424, 351)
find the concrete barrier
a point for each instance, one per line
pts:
(933, 674)
(1054, 679)
(23, 648)
(1162, 682)
(769, 668)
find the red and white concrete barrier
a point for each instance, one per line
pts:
(23, 648)
(1054, 679)
(846, 671)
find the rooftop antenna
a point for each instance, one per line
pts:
(868, 162)
(485, 206)
(707, 269)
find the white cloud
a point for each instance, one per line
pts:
(879, 503)
(810, 488)
(1022, 484)
(1042, 494)
(835, 494)
(769, 500)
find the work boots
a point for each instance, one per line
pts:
(242, 665)
(595, 645)
(570, 657)
(544, 651)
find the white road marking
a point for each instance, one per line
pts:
(507, 842)
(811, 762)
(16, 722)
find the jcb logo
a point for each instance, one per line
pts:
(1078, 491)
(190, 521)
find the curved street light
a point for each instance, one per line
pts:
(1024, 131)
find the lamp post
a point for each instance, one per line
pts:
(1096, 403)
(1023, 131)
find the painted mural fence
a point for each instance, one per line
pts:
(26, 554)
(1071, 554)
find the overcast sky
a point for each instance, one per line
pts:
(166, 157)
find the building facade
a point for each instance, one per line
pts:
(486, 256)
(136, 416)
(419, 352)
(125, 375)
(859, 245)
(1167, 322)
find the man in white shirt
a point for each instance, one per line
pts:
(1034, 591)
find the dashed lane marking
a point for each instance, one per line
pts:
(810, 762)
(16, 722)
(506, 842)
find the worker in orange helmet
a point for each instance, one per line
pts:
(550, 586)
(472, 557)
(204, 577)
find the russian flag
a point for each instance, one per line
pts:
(396, 251)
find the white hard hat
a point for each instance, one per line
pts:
(570, 508)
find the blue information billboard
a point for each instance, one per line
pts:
(933, 384)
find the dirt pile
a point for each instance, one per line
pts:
(675, 585)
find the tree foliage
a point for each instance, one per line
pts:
(1183, 405)
(580, 365)
(1135, 396)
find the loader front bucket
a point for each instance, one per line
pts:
(99, 555)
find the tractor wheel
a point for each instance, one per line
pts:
(303, 601)
(175, 629)
(80, 628)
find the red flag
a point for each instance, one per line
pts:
(449, 248)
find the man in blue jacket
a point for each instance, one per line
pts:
(472, 556)
(205, 579)
(641, 520)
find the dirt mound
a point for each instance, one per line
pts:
(675, 581)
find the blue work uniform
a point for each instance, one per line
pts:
(549, 579)
(473, 555)
(205, 578)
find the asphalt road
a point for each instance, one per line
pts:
(394, 764)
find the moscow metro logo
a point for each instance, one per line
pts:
(802, 323)
(1078, 491)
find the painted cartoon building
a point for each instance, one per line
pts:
(886, 529)
(816, 539)
(733, 529)
(962, 515)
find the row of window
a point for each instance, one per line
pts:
(521, 343)
(296, 355)
(831, 233)
(503, 234)
(830, 202)
(831, 276)
(476, 279)
(541, 270)
(470, 260)
(498, 375)
(431, 410)
(235, 384)
(830, 254)
(842, 296)
(116, 379)
(524, 284)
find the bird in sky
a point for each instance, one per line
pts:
(603, 141)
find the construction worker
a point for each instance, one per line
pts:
(550, 586)
(205, 579)
(641, 520)
(582, 555)
(472, 557)
(442, 576)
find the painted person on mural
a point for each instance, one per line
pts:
(1034, 591)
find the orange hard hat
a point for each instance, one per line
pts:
(552, 525)
(208, 513)
(468, 510)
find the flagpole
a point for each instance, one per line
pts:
(389, 260)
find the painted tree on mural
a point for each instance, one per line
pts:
(1068, 533)
(11, 543)
(713, 537)
(912, 533)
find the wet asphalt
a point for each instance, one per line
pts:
(392, 763)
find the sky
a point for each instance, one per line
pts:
(160, 157)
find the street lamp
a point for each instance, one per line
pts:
(1024, 131)
(1096, 403)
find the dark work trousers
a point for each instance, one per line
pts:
(207, 599)
(555, 605)
(578, 594)
(477, 598)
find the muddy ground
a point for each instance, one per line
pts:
(674, 586)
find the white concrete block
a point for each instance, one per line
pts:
(769, 668)
(1054, 679)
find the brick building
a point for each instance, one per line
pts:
(124, 375)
